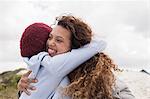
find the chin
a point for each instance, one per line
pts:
(52, 55)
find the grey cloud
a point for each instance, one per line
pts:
(103, 16)
(136, 14)
(9, 51)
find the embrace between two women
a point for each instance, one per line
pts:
(66, 63)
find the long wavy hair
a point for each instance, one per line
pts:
(94, 79)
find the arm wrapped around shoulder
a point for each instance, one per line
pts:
(98, 45)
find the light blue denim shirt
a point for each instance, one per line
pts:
(51, 71)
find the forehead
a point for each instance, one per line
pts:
(60, 31)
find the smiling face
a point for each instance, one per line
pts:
(59, 41)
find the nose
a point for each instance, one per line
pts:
(51, 43)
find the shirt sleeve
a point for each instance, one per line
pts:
(62, 64)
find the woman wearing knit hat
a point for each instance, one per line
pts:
(34, 39)
(51, 67)
(94, 79)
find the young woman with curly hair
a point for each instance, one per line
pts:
(94, 78)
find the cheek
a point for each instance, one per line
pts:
(47, 43)
(62, 48)
(68, 45)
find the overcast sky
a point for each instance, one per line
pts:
(124, 24)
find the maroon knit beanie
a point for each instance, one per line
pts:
(34, 39)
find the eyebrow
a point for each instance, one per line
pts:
(59, 37)
(56, 36)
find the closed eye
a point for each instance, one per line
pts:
(59, 40)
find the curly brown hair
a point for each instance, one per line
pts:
(94, 78)
(81, 33)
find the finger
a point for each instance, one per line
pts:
(21, 85)
(27, 74)
(26, 86)
(30, 87)
(30, 80)
(24, 80)
(27, 92)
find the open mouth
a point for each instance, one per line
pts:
(51, 51)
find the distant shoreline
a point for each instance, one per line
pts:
(147, 71)
(10, 66)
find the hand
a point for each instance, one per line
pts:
(24, 83)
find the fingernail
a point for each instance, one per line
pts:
(36, 80)
(28, 94)
(33, 88)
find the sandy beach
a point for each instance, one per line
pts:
(138, 82)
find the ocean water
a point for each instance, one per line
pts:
(136, 68)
